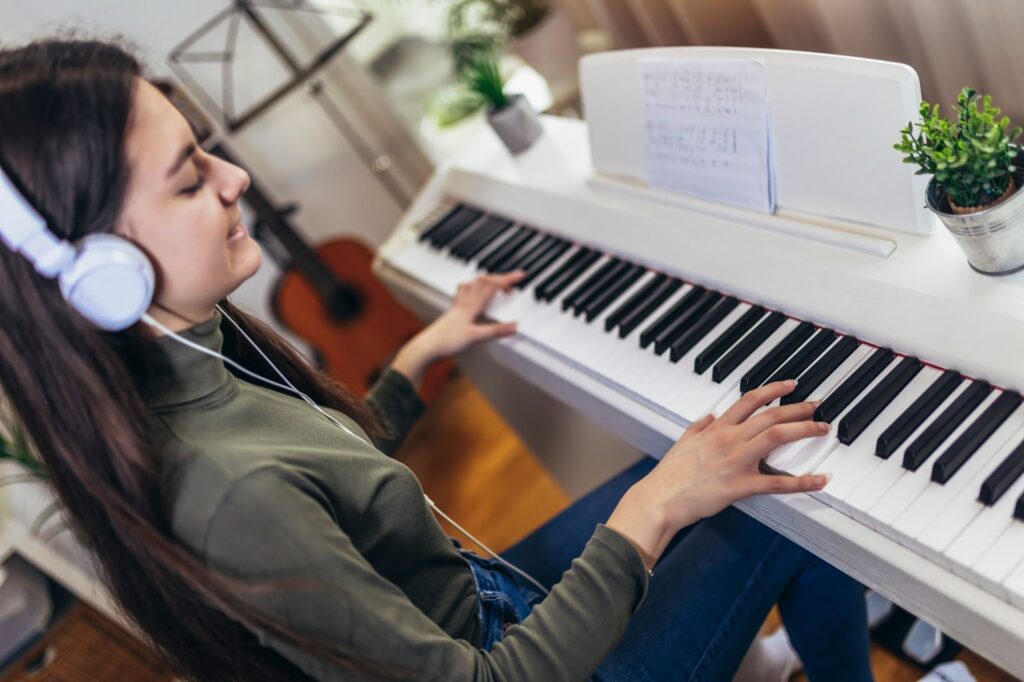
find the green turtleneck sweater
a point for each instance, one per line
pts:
(266, 490)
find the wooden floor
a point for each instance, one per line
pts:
(482, 475)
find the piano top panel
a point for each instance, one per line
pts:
(923, 299)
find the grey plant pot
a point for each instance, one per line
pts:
(516, 123)
(993, 238)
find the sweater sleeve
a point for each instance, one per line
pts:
(275, 526)
(395, 401)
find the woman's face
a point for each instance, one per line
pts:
(181, 207)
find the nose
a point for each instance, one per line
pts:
(234, 181)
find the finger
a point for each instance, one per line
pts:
(763, 484)
(509, 279)
(775, 415)
(754, 400)
(763, 443)
(483, 332)
(699, 425)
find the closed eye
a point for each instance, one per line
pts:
(194, 188)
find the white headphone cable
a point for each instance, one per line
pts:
(289, 387)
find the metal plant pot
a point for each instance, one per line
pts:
(992, 238)
(516, 123)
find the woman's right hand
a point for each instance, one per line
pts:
(714, 464)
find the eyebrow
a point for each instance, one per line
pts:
(183, 156)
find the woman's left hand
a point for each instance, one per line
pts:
(458, 328)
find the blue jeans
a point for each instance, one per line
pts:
(710, 593)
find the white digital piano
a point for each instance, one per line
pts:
(643, 310)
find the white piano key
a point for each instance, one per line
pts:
(1002, 558)
(787, 457)
(983, 531)
(960, 499)
(929, 497)
(520, 304)
(809, 453)
(597, 342)
(891, 470)
(1014, 586)
(686, 382)
(639, 365)
(850, 464)
(719, 397)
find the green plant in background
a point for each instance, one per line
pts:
(971, 156)
(478, 27)
(15, 448)
(483, 77)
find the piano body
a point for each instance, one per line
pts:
(645, 310)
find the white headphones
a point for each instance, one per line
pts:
(106, 278)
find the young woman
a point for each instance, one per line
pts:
(253, 540)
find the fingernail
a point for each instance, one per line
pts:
(824, 427)
(823, 479)
(791, 382)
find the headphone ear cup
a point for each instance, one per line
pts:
(110, 282)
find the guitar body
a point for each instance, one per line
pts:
(356, 351)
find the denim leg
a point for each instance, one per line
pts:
(711, 591)
(827, 622)
(547, 552)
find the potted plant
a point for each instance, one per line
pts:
(976, 179)
(511, 116)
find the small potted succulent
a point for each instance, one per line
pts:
(511, 116)
(977, 175)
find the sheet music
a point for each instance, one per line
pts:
(707, 130)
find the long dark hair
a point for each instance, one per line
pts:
(64, 109)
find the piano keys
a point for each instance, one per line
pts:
(927, 456)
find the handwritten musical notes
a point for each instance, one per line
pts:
(707, 130)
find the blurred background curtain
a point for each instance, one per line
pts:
(951, 43)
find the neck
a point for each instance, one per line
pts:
(175, 321)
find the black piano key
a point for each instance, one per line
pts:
(652, 330)
(442, 222)
(1018, 511)
(635, 301)
(496, 258)
(589, 286)
(639, 315)
(803, 358)
(877, 399)
(618, 288)
(853, 385)
(683, 322)
(727, 339)
(461, 225)
(767, 365)
(747, 345)
(961, 450)
(484, 235)
(539, 264)
(702, 327)
(1004, 475)
(932, 437)
(529, 252)
(821, 370)
(566, 276)
(601, 280)
(914, 416)
(561, 271)
(519, 254)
